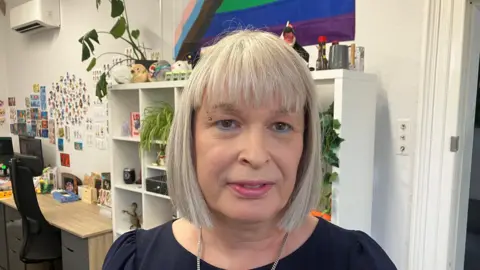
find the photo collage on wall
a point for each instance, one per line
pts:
(32, 119)
(62, 114)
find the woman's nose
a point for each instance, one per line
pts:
(254, 151)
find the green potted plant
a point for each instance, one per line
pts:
(120, 30)
(155, 128)
(330, 145)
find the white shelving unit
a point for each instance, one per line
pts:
(355, 105)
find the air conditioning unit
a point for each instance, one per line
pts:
(35, 16)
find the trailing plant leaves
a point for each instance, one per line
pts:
(119, 28)
(93, 35)
(135, 33)
(101, 89)
(92, 64)
(336, 124)
(85, 52)
(156, 123)
(117, 8)
(99, 2)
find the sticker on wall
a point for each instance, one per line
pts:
(78, 134)
(44, 115)
(90, 139)
(22, 129)
(11, 101)
(78, 146)
(60, 144)
(36, 88)
(15, 129)
(21, 116)
(28, 114)
(27, 102)
(13, 114)
(35, 113)
(35, 101)
(45, 135)
(61, 132)
(51, 131)
(65, 159)
(2, 103)
(12, 129)
(67, 133)
(2, 116)
(43, 98)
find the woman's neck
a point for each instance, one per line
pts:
(235, 236)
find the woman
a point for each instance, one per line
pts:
(244, 171)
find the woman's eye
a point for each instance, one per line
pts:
(282, 127)
(226, 124)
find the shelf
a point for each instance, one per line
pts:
(153, 167)
(157, 195)
(126, 138)
(131, 187)
(147, 85)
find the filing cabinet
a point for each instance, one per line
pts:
(11, 238)
(74, 252)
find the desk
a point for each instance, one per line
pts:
(86, 234)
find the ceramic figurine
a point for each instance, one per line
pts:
(139, 73)
(121, 74)
(156, 72)
(181, 65)
(134, 217)
(288, 35)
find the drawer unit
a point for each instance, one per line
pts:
(74, 252)
(3, 240)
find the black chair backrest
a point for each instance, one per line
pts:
(25, 196)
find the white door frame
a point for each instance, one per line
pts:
(441, 177)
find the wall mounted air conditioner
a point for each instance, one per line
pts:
(35, 16)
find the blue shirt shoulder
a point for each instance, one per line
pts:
(329, 247)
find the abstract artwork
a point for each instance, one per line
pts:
(204, 21)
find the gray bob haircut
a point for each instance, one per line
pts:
(255, 67)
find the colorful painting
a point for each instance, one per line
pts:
(204, 21)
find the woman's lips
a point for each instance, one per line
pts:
(251, 190)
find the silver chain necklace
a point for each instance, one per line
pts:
(200, 246)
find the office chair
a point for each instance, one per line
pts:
(41, 241)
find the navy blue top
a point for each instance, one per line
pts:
(329, 247)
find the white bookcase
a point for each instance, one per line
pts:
(355, 106)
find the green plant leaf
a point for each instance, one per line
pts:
(99, 2)
(92, 64)
(101, 88)
(90, 45)
(119, 28)
(93, 35)
(333, 177)
(336, 124)
(85, 52)
(117, 8)
(135, 33)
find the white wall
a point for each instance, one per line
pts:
(4, 129)
(44, 57)
(391, 31)
(475, 174)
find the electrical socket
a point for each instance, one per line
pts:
(403, 137)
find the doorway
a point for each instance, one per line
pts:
(472, 243)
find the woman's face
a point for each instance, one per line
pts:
(247, 159)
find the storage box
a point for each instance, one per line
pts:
(157, 184)
(89, 195)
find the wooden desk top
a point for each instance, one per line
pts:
(78, 218)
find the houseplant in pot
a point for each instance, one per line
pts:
(155, 129)
(330, 145)
(120, 30)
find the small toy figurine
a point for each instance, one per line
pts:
(288, 35)
(139, 73)
(134, 217)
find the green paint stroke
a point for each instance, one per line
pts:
(234, 5)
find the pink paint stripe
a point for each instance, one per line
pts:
(186, 14)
